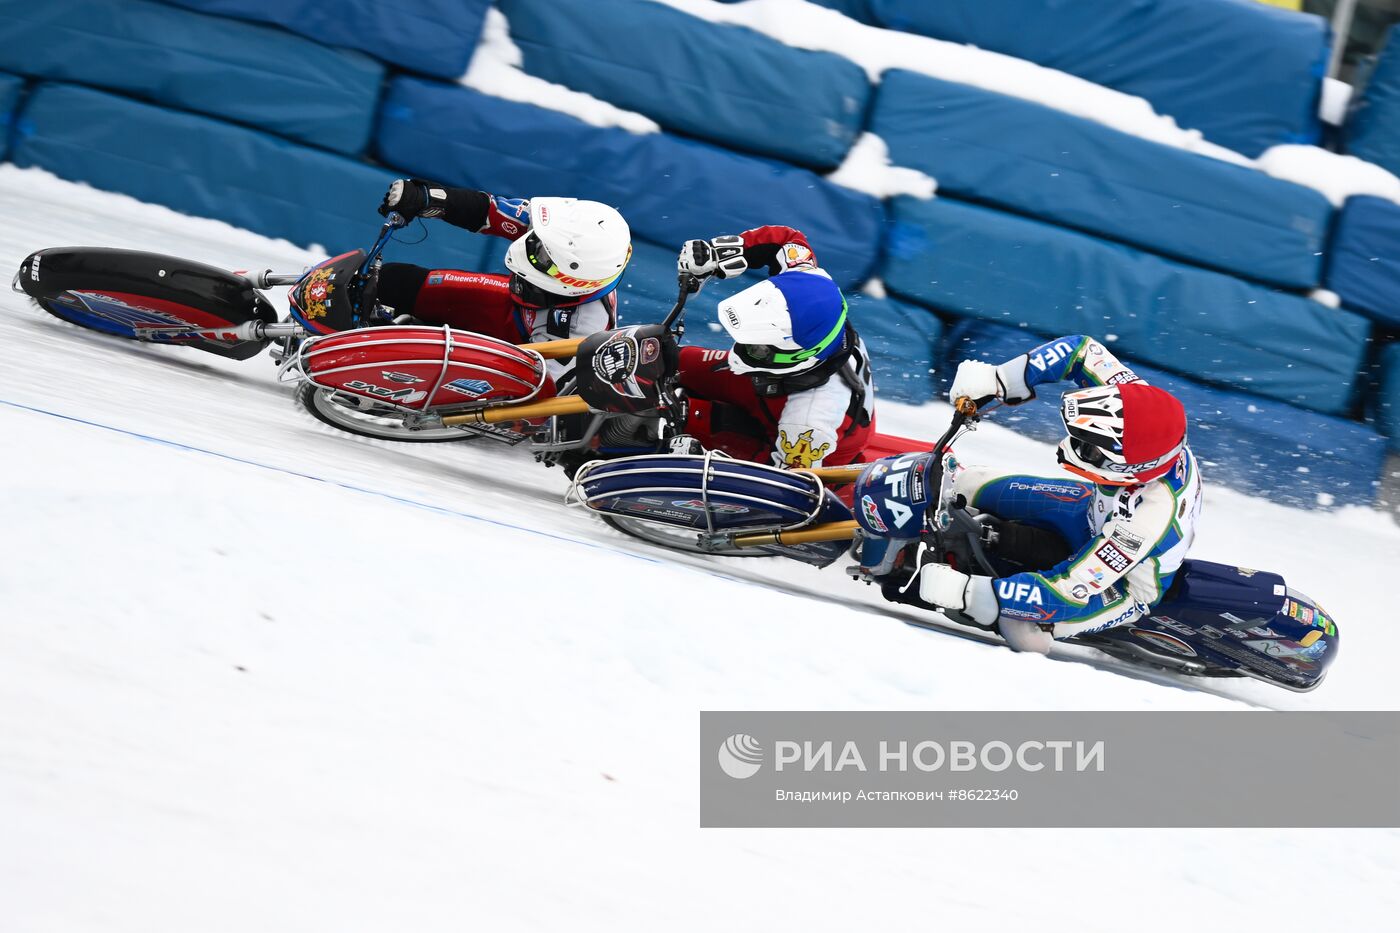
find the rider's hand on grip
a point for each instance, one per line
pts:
(413, 197)
(976, 380)
(722, 257)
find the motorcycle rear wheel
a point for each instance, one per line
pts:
(358, 415)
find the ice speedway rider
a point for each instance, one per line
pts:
(796, 388)
(565, 262)
(1129, 526)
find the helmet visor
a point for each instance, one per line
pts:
(1094, 456)
(767, 357)
(537, 255)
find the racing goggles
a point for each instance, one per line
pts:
(1089, 453)
(540, 260)
(537, 255)
(762, 355)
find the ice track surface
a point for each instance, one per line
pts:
(258, 674)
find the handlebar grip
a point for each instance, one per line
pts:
(968, 407)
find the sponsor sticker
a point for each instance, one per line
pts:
(871, 512)
(1116, 560)
(471, 388)
(401, 396)
(1126, 540)
(1168, 642)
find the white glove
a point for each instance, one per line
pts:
(943, 586)
(975, 379)
(722, 257)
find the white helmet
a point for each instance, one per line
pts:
(573, 248)
(784, 325)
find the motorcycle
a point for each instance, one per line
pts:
(354, 364)
(1216, 620)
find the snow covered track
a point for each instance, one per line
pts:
(264, 675)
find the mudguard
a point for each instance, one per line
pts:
(1231, 621)
(713, 495)
(145, 296)
(421, 368)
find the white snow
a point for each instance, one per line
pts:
(867, 168)
(495, 70)
(1325, 296)
(258, 674)
(1333, 101)
(1336, 176)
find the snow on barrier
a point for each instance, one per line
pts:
(974, 261)
(722, 83)
(238, 71)
(1246, 75)
(1256, 445)
(1363, 266)
(1043, 162)
(207, 168)
(11, 89)
(669, 189)
(1372, 130)
(435, 37)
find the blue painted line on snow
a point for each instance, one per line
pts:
(349, 486)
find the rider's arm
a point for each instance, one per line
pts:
(491, 214)
(780, 249)
(1115, 571)
(477, 211)
(1075, 358)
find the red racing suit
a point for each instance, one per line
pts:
(822, 416)
(483, 302)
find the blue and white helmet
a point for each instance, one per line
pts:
(786, 324)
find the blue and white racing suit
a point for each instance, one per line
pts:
(1128, 541)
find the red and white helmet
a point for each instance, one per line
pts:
(1121, 435)
(573, 248)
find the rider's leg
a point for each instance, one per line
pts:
(476, 301)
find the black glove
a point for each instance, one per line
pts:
(722, 257)
(413, 197)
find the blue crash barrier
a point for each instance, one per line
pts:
(1245, 74)
(1256, 445)
(237, 71)
(901, 337)
(714, 81)
(669, 189)
(435, 37)
(1372, 130)
(1043, 162)
(11, 89)
(210, 169)
(1363, 266)
(1387, 401)
(973, 261)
